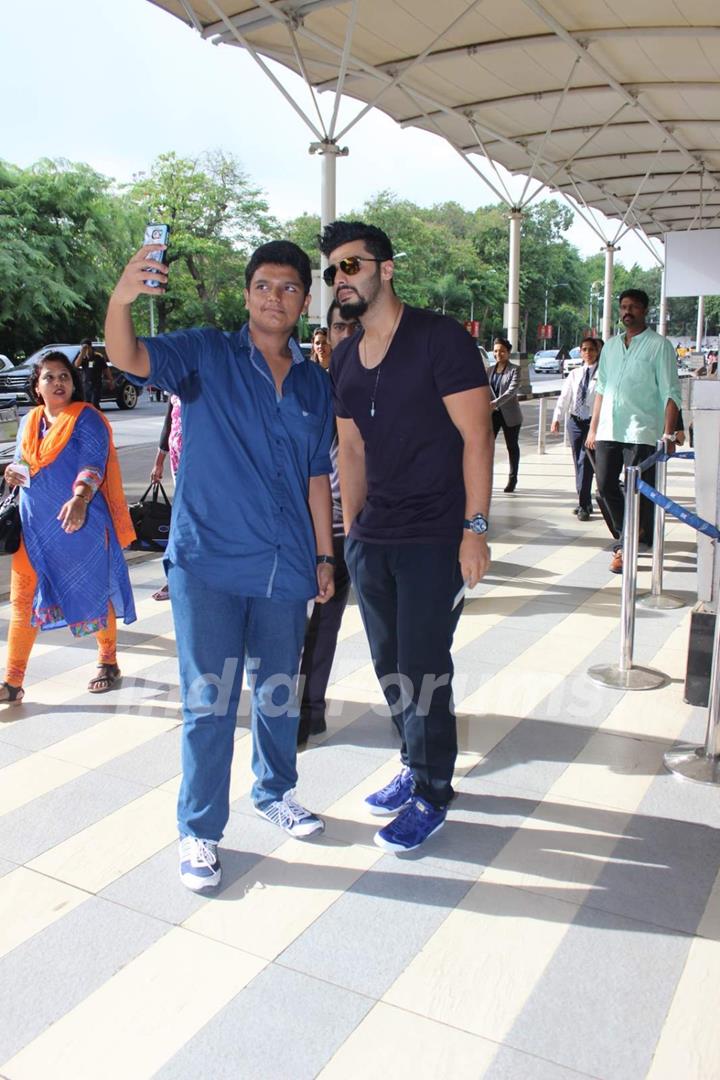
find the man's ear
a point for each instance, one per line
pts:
(246, 297)
(306, 305)
(387, 270)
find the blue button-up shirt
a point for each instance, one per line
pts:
(240, 518)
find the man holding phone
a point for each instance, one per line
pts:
(416, 451)
(251, 539)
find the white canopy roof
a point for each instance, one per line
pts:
(615, 103)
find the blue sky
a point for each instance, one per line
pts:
(116, 82)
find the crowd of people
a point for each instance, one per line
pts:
(372, 466)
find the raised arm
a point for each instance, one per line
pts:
(124, 349)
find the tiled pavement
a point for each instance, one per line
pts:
(565, 923)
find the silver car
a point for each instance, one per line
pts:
(549, 362)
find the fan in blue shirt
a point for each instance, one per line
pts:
(251, 538)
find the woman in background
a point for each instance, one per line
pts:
(505, 405)
(576, 404)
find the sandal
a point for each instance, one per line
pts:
(162, 594)
(13, 694)
(108, 675)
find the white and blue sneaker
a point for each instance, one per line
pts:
(291, 817)
(418, 821)
(394, 796)
(199, 863)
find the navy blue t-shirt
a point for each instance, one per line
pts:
(413, 451)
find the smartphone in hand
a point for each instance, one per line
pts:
(156, 234)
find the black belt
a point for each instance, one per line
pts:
(580, 419)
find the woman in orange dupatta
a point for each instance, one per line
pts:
(69, 569)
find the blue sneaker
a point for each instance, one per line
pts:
(394, 796)
(199, 863)
(409, 830)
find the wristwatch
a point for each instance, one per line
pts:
(478, 523)
(329, 559)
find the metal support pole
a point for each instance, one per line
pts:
(513, 300)
(624, 676)
(655, 598)
(702, 763)
(329, 152)
(542, 423)
(152, 316)
(662, 320)
(608, 299)
(700, 329)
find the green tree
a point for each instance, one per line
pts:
(216, 217)
(62, 240)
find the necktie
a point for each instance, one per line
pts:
(581, 396)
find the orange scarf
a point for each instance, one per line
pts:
(39, 452)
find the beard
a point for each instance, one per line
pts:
(353, 309)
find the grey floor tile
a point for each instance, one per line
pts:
(150, 764)
(50, 974)
(154, 888)
(36, 727)
(601, 1002)
(372, 733)
(372, 932)
(534, 754)
(52, 818)
(509, 1064)
(10, 754)
(283, 1026)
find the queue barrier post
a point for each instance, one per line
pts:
(625, 675)
(655, 599)
(542, 423)
(701, 764)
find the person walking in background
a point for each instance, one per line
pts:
(413, 418)
(321, 348)
(636, 402)
(251, 540)
(324, 623)
(575, 405)
(69, 569)
(506, 411)
(170, 443)
(91, 366)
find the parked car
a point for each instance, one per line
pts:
(549, 361)
(115, 386)
(5, 362)
(574, 360)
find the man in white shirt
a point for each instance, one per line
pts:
(576, 403)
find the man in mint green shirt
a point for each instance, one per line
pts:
(637, 402)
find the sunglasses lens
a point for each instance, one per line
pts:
(350, 266)
(329, 274)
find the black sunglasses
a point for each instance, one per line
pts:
(349, 266)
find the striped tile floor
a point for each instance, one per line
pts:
(565, 923)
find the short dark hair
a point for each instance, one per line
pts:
(639, 295)
(595, 340)
(504, 342)
(338, 233)
(61, 358)
(334, 306)
(280, 253)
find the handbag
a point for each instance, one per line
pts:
(151, 519)
(10, 528)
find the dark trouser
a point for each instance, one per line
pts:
(92, 386)
(584, 472)
(405, 593)
(512, 441)
(610, 460)
(320, 644)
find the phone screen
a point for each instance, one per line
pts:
(156, 233)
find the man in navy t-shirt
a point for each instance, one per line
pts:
(416, 451)
(251, 537)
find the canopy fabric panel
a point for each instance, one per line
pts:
(615, 103)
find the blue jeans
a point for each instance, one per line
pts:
(216, 634)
